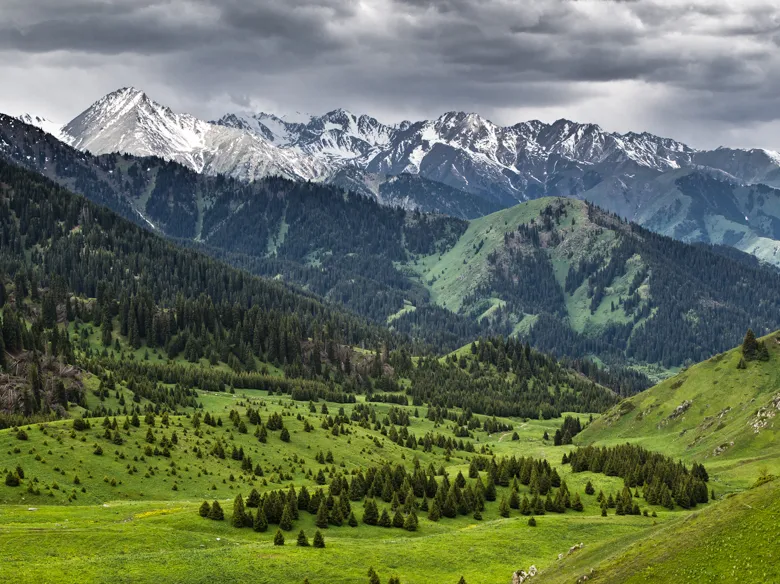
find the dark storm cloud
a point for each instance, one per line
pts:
(708, 68)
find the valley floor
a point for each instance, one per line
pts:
(135, 528)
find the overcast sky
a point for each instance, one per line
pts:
(703, 71)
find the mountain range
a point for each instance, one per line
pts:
(563, 274)
(460, 164)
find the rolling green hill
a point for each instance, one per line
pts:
(713, 412)
(576, 280)
(734, 540)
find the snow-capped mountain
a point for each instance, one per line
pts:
(499, 164)
(338, 137)
(128, 121)
(44, 124)
(458, 164)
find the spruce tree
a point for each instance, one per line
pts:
(205, 509)
(371, 513)
(286, 521)
(384, 519)
(373, 577)
(411, 522)
(525, 506)
(434, 514)
(503, 507)
(319, 541)
(321, 520)
(576, 503)
(239, 513)
(260, 522)
(303, 541)
(490, 490)
(254, 499)
(279, 537)
(749, 345)
(216, 512)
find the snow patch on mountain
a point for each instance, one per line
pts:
(45, 124)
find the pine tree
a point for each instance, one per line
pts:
(279, 537)
(384, 519)
(749, 346)
(205, 509)
(216, 512)
(319, 540)
(321, 520)
(532, 522)
(261, 522)
(352, 520)
(398, 519)
(239, 513)
(286, 521)
(589, 490)
(303, 541)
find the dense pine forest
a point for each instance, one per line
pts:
(630, 281)
(84, 288)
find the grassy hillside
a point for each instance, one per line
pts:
(578, 281)
(713, 412)
(457, 273)
(734, 540)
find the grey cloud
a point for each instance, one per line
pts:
(713, 61)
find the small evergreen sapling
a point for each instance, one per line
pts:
(279, 537)
(319, 541)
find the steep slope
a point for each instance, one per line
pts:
(700, 206)
(576, 280)
(411, 191)
(714, 412)
(338, 137)
(735, 539)
(128, 121)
